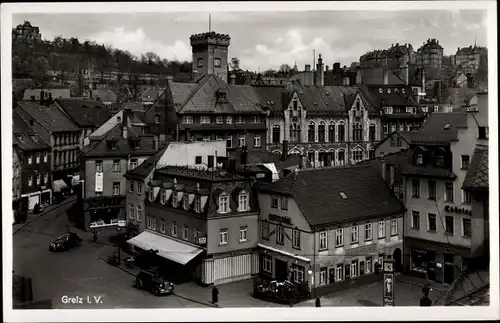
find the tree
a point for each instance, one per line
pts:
(269, 72)
(285, 69)
(39, 68)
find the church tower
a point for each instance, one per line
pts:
(210, 52)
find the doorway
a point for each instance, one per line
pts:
(397, 260)
(281, 270)
(449, 268)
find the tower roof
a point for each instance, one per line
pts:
(210, 38)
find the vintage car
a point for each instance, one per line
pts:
(153, 283)
(280, 291)
(65, 242)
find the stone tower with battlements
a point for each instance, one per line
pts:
(210, 52)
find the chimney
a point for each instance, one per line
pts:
(336, 67)
(232, 79)
(319, 76)
(42, 97)
(386, 76)
(327, 68)
(284, 153)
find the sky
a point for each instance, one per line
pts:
(264, 40)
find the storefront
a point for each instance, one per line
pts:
(104, 212)
(229, 267)
(423, 263)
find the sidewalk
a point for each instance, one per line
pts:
(412, 280)
(32, 218)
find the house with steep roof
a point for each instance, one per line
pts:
(87, 115)
(329, 228)
(203, 155)
(57, 130)
(31, 173)
(203, 223)
(117, 147)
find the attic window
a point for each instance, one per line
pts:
(113, 145)
(447, 126)
(342, 194)
(221, 95)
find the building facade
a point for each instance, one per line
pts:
(430, 54)
(26, 33)
(121, 145)
(328, 246)
(210, 52)
(205, 224)
(467, 59)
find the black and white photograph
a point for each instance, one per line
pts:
(196, 161)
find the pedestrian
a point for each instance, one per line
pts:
(215, 295)
(318, 302)
(94, 235)
(425, 300)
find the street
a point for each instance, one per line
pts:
(77, 273)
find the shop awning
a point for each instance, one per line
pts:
(167, 248)
(283, 252)
(59, 185)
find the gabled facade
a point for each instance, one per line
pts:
(315, 229)
(118, 147)
(210, 217)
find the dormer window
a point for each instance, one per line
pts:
(229, 119)
(186, 202)
(175, 201)
(243, 201)
(205, 119)
(439, 158)
(221, 95)
(137, 144)
(151, 195)
(419, 158)
(197, 204)
(113, 145)
(119, 119)
(163, 196)
(223, 203)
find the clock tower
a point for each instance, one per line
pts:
(210, 53)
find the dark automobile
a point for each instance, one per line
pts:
(65, 242)
(153, 283)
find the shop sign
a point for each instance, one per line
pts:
(456, 209)
(279, 218)
(202, 240)
(388, 283)
(361, 251)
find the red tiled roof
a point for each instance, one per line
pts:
(317, 192)
(478, 173)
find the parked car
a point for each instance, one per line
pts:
(153, 283)
(65, 242)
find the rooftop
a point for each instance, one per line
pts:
(197, 173)
(85, 113)
(50, 117)
(478, 173)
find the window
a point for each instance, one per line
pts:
(311, 132)
(466, 228)
(198, 160)
(321, 132)
(354, 234)
(38, 179)
(372, 132)
(466, 197)
(187, 119)
(265, 230)
(339, 237)
(205, 119)
(206, 138)
(185, 232)
(243, 234)
(296, 238)
(151, 194)
(298, 273)
(229, 119)
(162, 226)
(45, 157)
(354, 268)
(394, 227)
(339, 272)
(149, 223)
(323, 240)
(46, 178)
(276, 134)
(331, 133)
(280, 235)
(368, 232)
(116, 188)
(186, 202)
(196, 235)
(357, 155)
(431, 222)
(256, 141)
(419, 158)
(241, 141)
(386, 128)
(197, 204)
(465, 161)
(448, 193)
(200, 62)
(449, 224)
(175, 199)
(113, 145)
(341, 156)
(30, 159)
(30, 180)
(223, 204)
(163, 196)
(341, 131)
(223, 235)
(322, 275)
(139, 213)
(483, 133)
(131, 186)
(284, 203)
(37, 159)
(131, 210)
(415, 192)
(381, 229)
(219, 119)
(174, 229)
(139, 188)
(357, 132)
(229, 141)
(415, 219)
(274, 202)
(431, 190)
(116, 165)
(133, 163)
(239, 119)
(243, 202)
(267, 263)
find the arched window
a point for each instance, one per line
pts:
(276, 134)
(372, 133)
(341, 157)
(357, 154)
(321, 132)
(341, 131)
(311, 155)
(331, 132)
(311, 132)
